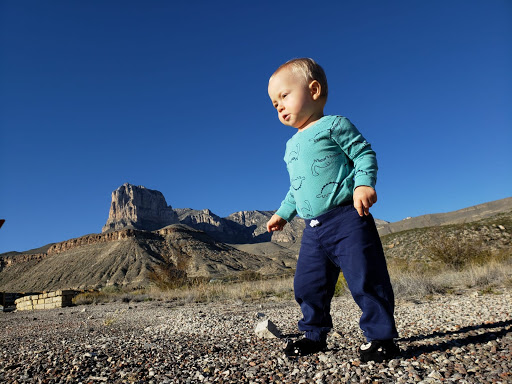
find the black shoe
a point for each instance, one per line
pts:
(378, 351)
(304, 347)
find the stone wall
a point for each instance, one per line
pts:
(46, 300)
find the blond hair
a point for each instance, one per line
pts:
(309, 69)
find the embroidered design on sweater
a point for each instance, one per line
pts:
(294, 155)
(323, 163)
(328, 189)
(291, 199)
(318, 136)
(307, 208)
(297, 182)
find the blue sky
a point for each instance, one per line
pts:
(173, 96)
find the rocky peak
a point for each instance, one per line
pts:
(139, 208)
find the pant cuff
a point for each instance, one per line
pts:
(316, 336)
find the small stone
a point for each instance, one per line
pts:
(319, 375)
(435, 375)
(337, 335)
(267, 330)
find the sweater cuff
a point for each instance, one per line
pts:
(364, 180)
(286, 213)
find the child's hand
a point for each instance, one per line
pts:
(364, 198)
(276, 223)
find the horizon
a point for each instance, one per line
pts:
(213, 212)
(173, 96)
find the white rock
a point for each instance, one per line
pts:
(336, 335)
(435, 375)
(323, 357)
(267, 330)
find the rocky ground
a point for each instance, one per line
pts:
(457, 338)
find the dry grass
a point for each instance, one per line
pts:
(453, 266)
(201, 291)
(277, 288)
(408, 283)
(417, 279)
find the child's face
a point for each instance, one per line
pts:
(295, 100)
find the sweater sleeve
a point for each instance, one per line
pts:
(355, 146)
(287, 210)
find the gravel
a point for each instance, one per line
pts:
(456, 338)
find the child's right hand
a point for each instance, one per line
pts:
(276, 223)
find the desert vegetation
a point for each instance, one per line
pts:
(422, 263)
(452, 264)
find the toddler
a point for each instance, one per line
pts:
(333, 172)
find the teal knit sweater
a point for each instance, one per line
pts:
(326, 162)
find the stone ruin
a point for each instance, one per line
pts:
(46, 300)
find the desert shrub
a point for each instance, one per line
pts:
(503, 255)
(457, 253)
(249, 275)
(417, 285)
(341, 285)
(92, 297)
(111, 294)
(168, 276)
(165, 277)
(397, 266)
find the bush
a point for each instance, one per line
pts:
(249, 275)
(341, 285)
(168, 277)
(457, 253)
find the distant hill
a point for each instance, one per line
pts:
(491, 233)
(466, 215)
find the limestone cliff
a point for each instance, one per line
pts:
(139, 208)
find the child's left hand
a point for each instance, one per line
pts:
(364, 198)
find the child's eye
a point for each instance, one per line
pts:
(284, 95)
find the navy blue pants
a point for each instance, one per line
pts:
(344, 240)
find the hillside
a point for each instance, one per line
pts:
(466, 215)
(127, 258)
(492, 233)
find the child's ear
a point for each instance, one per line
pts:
(315, 89)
